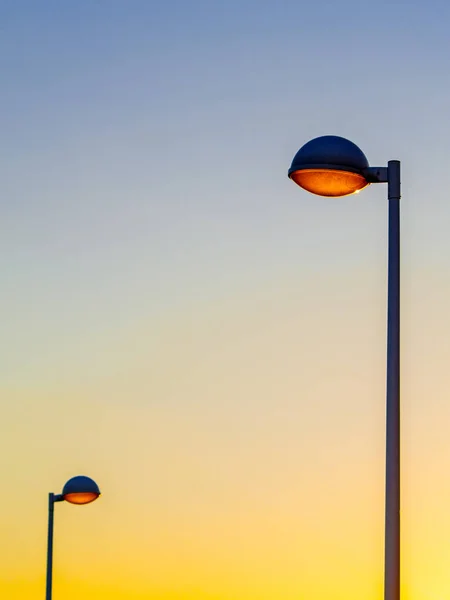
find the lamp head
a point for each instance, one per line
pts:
(80, 490)
(330, 166)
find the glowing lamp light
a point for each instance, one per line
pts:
(80, 490)
(81, 498)
(327, 182)
(330, 166)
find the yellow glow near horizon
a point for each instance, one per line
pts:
(230, 454)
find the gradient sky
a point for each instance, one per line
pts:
(186, 326)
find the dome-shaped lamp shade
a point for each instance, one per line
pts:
(80, 490)
(330, 166)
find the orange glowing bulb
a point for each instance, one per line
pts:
(329, 182)
(81, 497)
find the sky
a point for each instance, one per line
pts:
(202, 337)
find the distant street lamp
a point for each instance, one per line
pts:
(78, 490)
(333, 166)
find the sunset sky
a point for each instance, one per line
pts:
(203, 338)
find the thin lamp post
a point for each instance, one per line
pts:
(333, 166)
(78, 490)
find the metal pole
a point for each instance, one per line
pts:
(392, 515)
(51, 506)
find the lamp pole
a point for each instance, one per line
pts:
(78, 490)
(392, 512)
(333, 166)
(52, 498)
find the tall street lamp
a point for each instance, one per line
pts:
(333, 166)
(78, 490)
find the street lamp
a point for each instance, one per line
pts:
(78, 490)
(333, 166)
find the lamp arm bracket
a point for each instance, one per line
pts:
(376, 174)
